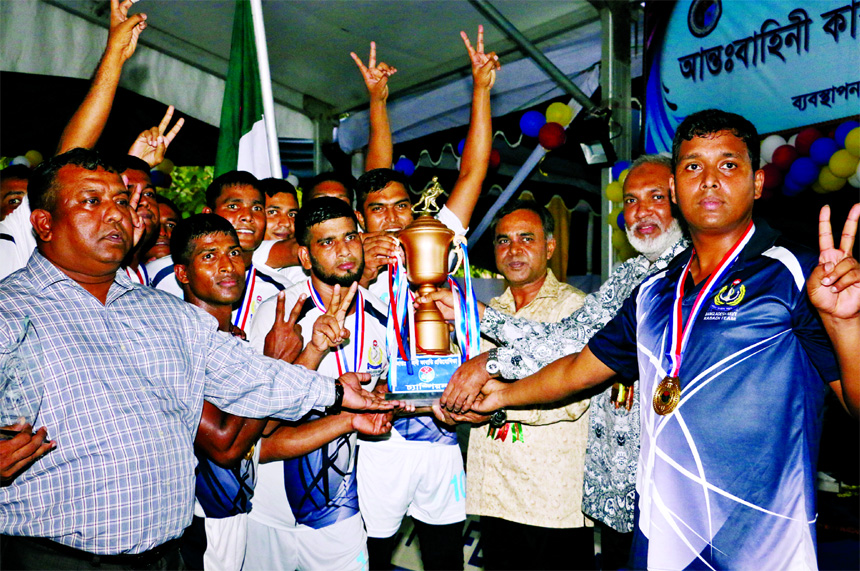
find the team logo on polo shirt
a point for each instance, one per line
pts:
(725, 304)
(731, 294)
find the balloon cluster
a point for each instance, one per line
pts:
(810, 159)
(549, 127)
(614, 192)
(160, 175)
(30, 159)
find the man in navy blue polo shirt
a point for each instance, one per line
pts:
(733, 364)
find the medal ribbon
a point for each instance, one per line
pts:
(398, 298)
(142, 278)
(681, 331)
(466, 321)
(243, 314)
(358, 345)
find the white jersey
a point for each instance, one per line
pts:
(17, 240)
(318, 489)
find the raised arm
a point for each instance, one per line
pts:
(226, 438)
(834, 290)
(86, 125)
(379, 146)
(479, 140)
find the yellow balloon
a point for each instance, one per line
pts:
(816, 186)
(613, 217)
(614, 191)
(829, 181)
(560, 113)
(623, 175)
(166, 166)
(852, 142)
(618, 239)
(35, 157)
(843, 164)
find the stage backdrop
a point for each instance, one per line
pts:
(781, 64)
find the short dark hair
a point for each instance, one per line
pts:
(42, 188)
(546, 218)
(375, 180)
(272, 186)
(15, 172)
(226, 180)
(161, 199)
(191, 229)
(711, 121)
(133, 163)
(317, 211)
(347, 180)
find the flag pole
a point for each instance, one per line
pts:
(266, 88)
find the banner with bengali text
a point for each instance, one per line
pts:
(781, 64)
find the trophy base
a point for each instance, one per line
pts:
(417, 399)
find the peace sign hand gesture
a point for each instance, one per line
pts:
(329, 331)
(834, 286)
(375, 75)
(484, 66)
(284, 340)
(124, 29)
(151, 144)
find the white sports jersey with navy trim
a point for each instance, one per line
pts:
(727, 480)
(319, 489)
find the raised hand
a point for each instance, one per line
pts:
(834, 285)
(284, 341)
(375, 75)
(124, 29)
(151, 144)
(484, 66)
(380, 248)
(133, 202)
(329, 331)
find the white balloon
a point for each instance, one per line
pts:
(769, 145)
(854, 180)
(792, 140)
(293, 180)
(21, 160)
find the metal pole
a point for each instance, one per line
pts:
(266, 89)
(490, 11)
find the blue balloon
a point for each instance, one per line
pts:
(618, 167)
(842, 130)
(460, 146)
(790, 188)
(822, 149)
(531, 122)
(620, 220)
(160, 179)
(803, 172)
(285, 171)
(405, 166)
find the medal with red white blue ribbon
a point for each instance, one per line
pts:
(243, 314)
(668, 392)
(358, 343)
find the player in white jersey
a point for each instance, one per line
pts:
(306, 512)
(426, 483)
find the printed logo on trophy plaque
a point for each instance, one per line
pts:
(419, 343)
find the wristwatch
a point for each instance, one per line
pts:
(338, 399)
(493, 367)
(499, 418)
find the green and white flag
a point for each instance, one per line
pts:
(242, 142)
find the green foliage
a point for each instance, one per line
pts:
(188, 190)
(477, 272)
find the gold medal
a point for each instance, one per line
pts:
(667, 395)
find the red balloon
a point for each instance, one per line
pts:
(495, 159)
(784, 155)
(552, 136)
(805, 139)
(772, 175)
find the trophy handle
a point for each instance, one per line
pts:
(458, 243)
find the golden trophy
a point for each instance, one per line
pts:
(425, 362)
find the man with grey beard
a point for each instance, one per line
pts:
(526, 346)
